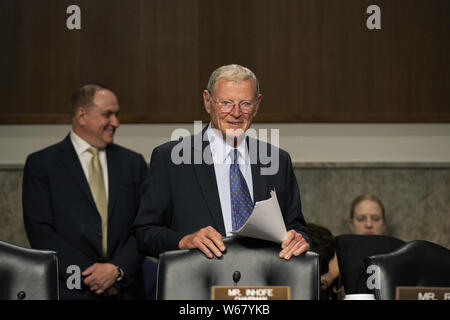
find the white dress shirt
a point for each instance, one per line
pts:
(81, 148)
(222, 155)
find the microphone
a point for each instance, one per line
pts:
(236, 277)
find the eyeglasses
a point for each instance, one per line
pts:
(228, 105)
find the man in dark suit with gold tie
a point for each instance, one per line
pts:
(201, 188)
(80, 198)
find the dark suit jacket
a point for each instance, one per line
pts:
(179, 199)
(60, 213)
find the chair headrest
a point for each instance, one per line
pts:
(351, 250)
(257, 261)
(27, 273)
(416, 263)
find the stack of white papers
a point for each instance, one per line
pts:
(266, 221)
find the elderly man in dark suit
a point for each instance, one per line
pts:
(200, 189)
(80, 198)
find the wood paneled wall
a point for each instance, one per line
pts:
(316, 59)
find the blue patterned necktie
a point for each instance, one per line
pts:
(241, 201)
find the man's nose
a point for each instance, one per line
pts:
(236, 111)
(115, 121)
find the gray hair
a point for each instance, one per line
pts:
(232, 72)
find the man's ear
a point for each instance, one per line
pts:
(80, 115)
(207, 101)
(258, 99)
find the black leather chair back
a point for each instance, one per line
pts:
(189, 274)
(417, 263)
(27, 274)
(351, 250)
(149, 273)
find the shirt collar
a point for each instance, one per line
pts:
(221, 151)
(79, 143)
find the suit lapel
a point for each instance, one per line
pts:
(207, 180)
(259, 181)
(113, 177)
(70, 159)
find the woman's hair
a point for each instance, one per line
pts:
(363, 197)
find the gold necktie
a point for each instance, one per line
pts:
(97, 185)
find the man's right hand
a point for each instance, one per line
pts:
(100, 277)
(207, 240)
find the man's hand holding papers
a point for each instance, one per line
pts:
(266, 223)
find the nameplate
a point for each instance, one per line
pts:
(251, 293)
(422, 293)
